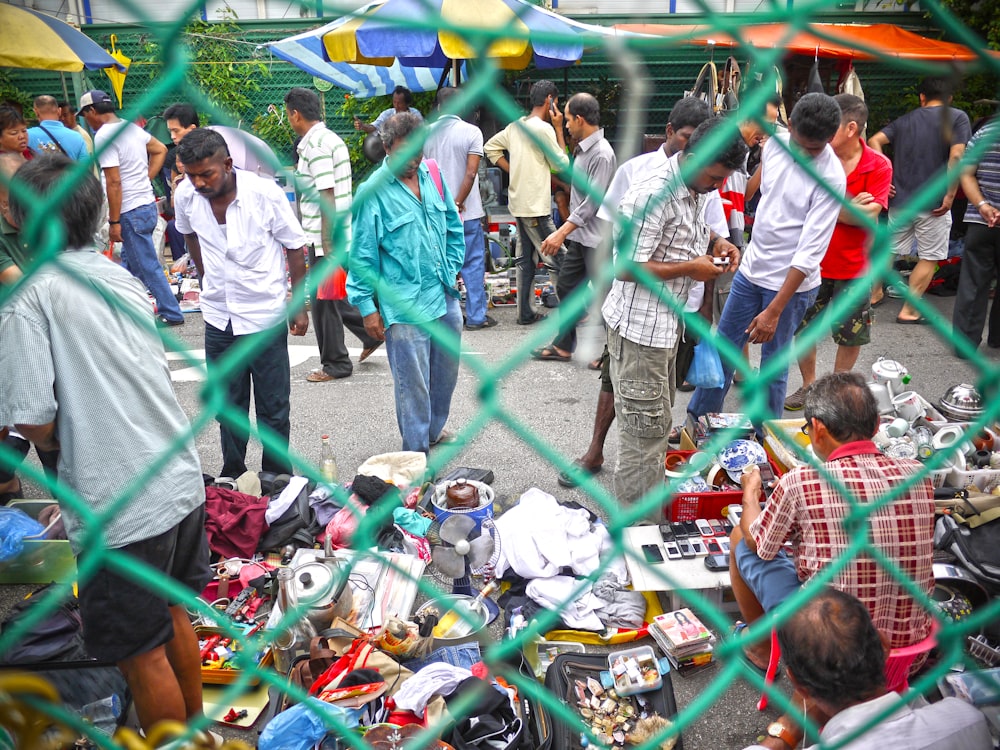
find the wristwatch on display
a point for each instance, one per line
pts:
(780, 731)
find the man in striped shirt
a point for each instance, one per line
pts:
(323, 182)
(665, 235)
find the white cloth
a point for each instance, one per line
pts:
(243, 260)
(123, 144)
(577, 607)
(795, 217)
(539, 537)
(434, 679)
(645, 165)
(450, 143)
(402, 468)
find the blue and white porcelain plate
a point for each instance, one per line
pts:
(738, 454)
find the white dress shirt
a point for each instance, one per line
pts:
(243, 259)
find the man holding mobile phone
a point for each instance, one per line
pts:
(530, 150)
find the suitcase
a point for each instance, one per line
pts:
(561, 679)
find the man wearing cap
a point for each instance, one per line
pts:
(130, 157)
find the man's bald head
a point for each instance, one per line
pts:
(47, 107)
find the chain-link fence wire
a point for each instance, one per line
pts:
(171, 83)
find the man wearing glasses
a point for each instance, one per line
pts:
(811, 508)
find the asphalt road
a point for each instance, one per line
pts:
(555, 401)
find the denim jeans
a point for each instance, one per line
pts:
(424, 375)
(474, 272)
(643, 381)
(140, 259)
(531, 231)
(269, 372)
(745, 302)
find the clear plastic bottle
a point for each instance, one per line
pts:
(296, 636)
(327, 463)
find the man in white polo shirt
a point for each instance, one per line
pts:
(323, 183)
(235, 225)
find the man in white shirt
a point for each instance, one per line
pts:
(323, 183)
(130, 157)
(535, 147)
(237, 227)
(835, 659)
(666, 236)
(779, 276)
(457, 147)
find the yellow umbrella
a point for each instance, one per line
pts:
(118, 76)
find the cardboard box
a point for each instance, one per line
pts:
(41, 561)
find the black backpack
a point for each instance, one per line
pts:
(297, 526)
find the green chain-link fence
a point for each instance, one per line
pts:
(164, 55)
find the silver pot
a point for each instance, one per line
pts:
(962, 403)
(321, 585)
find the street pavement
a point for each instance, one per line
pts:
(555, 402)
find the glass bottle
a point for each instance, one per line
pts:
(294, 639)
(327, 463)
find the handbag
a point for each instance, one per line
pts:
(706, 367)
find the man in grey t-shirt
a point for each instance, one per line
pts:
(106, 403)
(924, 142)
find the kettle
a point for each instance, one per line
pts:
(461, 494)
(321, 585)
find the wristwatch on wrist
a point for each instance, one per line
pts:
(114, 222)
(781, 732)
(982, 203)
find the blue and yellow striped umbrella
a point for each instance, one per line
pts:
(40, 42)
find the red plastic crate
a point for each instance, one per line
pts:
(688, 506)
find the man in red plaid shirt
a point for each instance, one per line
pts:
(815, 508)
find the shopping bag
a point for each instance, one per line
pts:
(706, 367)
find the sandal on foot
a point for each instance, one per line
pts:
(550, 353)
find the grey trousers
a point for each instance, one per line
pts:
(643, 379)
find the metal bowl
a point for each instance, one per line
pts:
(961, 402)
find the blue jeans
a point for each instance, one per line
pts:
(746, 301)
(140, 259)
(531, 232)
(268, 371)
(474, 272)
(424, 375)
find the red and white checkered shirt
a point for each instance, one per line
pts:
(808, 511)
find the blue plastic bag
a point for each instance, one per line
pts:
(300, 727)
(706, 367)
(15, 525)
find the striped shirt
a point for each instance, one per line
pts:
(806, 510)
(666, 223)
(987, 171)
(324, 164)
(80, 349)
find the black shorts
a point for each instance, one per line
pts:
(123, 618)
(855, 329)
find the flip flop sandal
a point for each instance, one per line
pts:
(548, 353)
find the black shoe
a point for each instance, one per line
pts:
(165, 323)
(532, 320)
(488, 323)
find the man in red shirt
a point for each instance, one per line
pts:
(869, 175)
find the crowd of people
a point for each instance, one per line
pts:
(672, 220)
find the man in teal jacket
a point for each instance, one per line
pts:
(407, 251)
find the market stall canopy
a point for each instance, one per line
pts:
(841, 40)
(40, 42)
(402, 30)
(306, 51)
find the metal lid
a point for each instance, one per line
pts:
(314, 583)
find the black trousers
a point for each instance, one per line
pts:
(330, 317)
(980, 267)
(574, 272)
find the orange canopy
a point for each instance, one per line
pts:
(840, 40)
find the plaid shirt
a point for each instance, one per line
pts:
(667, 224)
(808, 512)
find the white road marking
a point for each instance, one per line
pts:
(297, 355)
